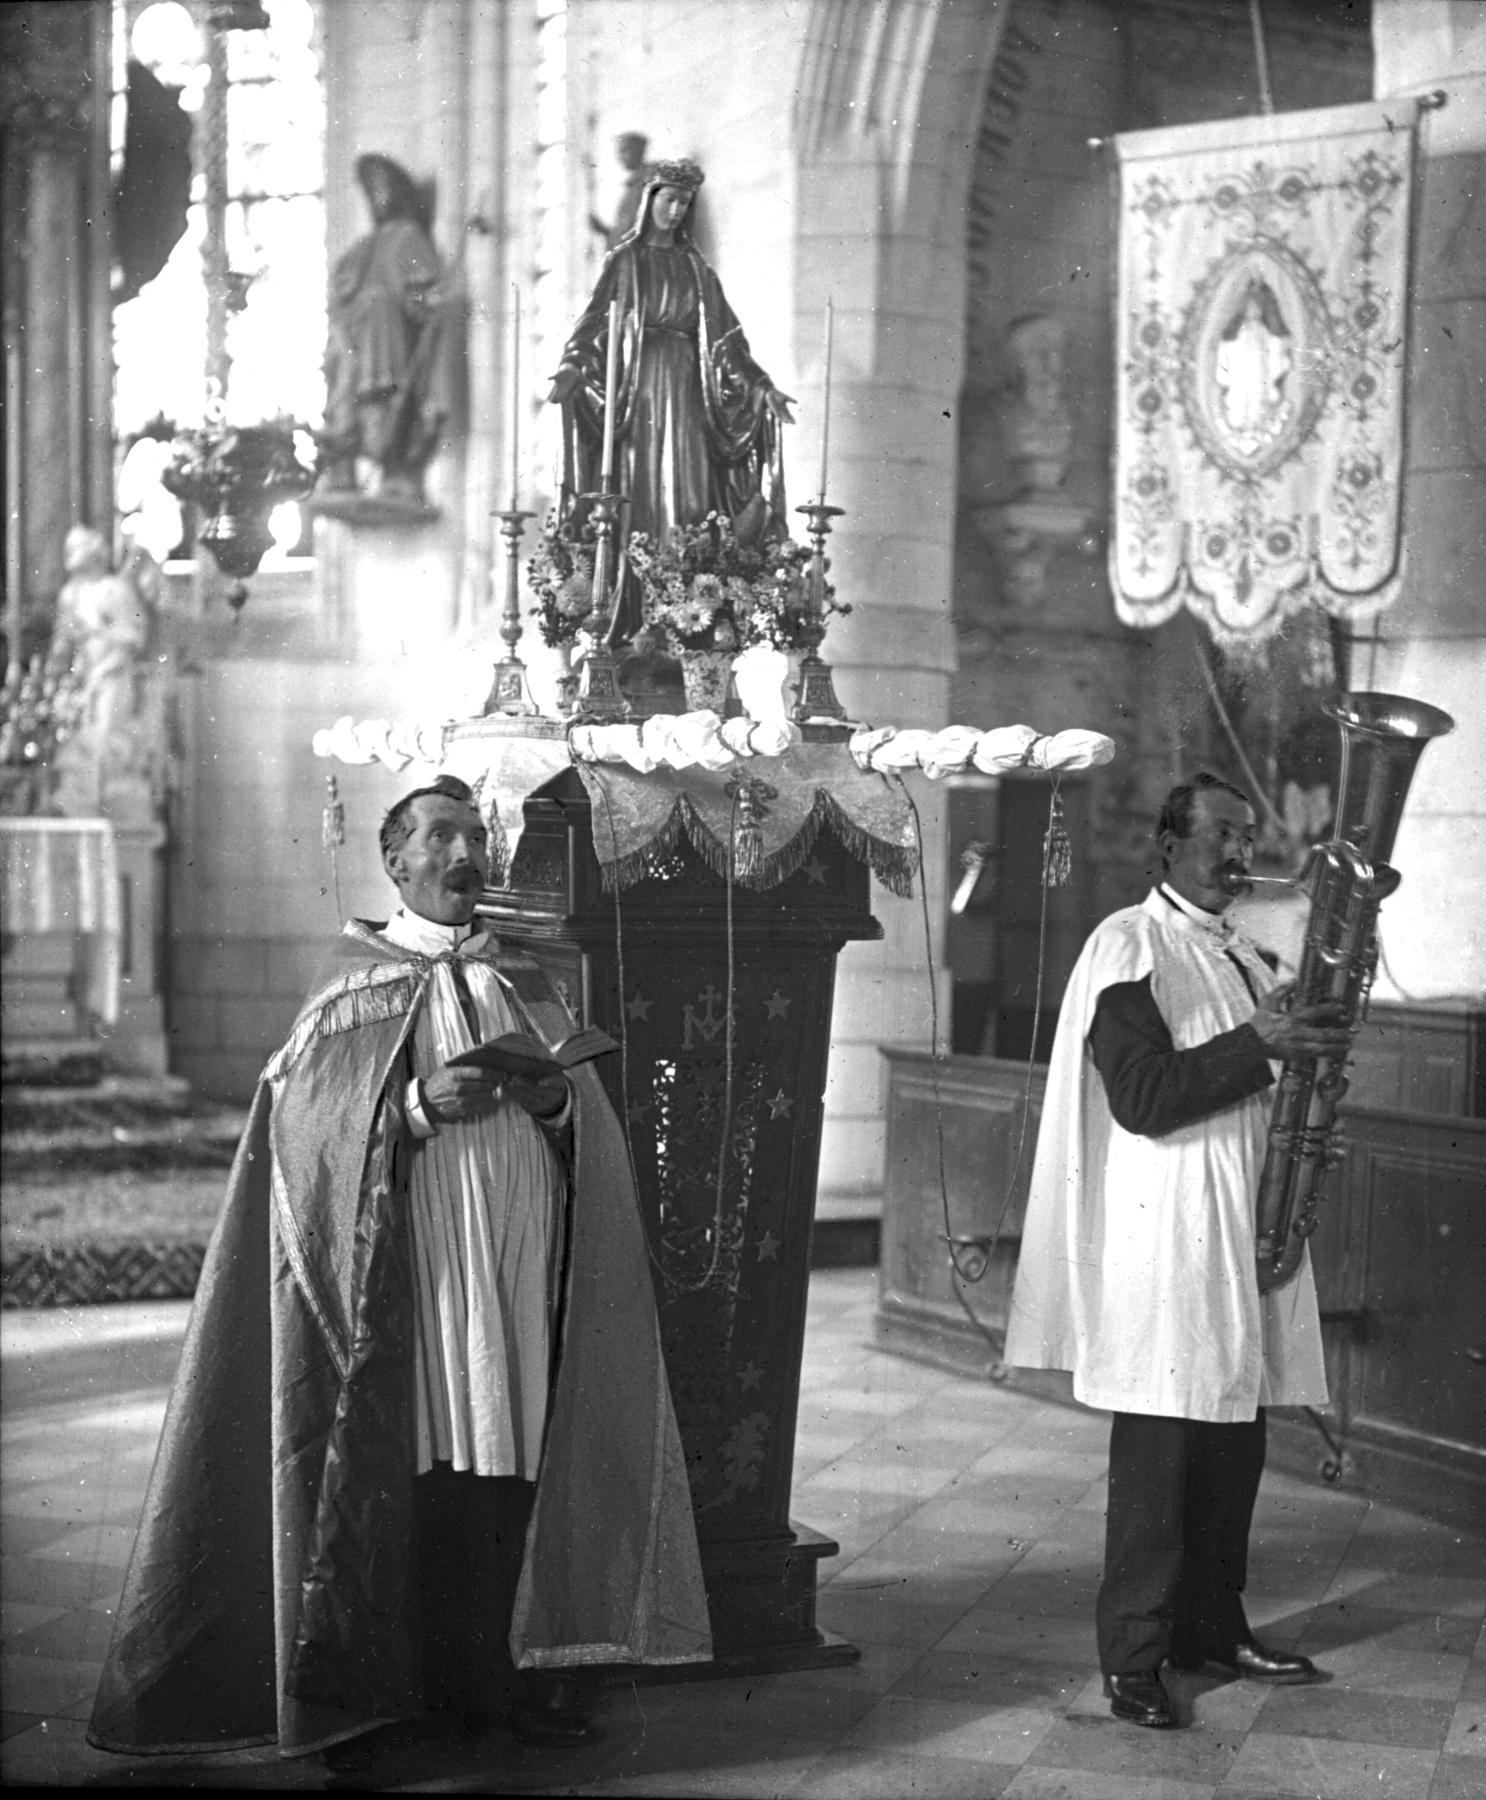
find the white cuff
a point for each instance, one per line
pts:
(423, 1126)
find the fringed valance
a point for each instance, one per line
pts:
(716, 784)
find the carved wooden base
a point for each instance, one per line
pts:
(761, 1597)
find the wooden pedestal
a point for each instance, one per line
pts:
(730, 1257)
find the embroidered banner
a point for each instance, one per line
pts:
(1263, 285)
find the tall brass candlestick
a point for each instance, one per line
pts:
(604, 508)
(599, 696)
(611, 386)
(825, 415)
(817, 711)
(509, 692)
(515, 397)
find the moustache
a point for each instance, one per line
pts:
(466, 877)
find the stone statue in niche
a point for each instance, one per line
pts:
(105, 626)
(387, 364)
(1036, 425)
(629, 149)
(1035, 420)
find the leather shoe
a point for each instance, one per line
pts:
(1140, 1700)
(1256, 1662)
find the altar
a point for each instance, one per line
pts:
(63, 937)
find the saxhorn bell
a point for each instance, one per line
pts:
(1349, 877)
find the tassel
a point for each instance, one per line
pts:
(1057, 852)
(748, 847)
(333, 835)
(333, 822)
(749, 810)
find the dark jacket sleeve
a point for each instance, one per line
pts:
(1153, 1087)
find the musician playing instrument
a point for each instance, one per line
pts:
(1137, 1268)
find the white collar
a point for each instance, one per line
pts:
(410, 931)
(1217, 925)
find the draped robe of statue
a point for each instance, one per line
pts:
(693, 429)
(386, 365)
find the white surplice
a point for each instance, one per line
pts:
(485, 1203)
(1137, 1268)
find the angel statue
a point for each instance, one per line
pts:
(696, 420)
(386, 367)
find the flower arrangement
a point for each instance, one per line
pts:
(560, 574)
(713, 586)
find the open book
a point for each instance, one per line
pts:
(519, 1053)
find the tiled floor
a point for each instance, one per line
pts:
(969, 1520)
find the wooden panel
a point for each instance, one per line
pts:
(1421, 1186)
(989, 1124)
(1420, 1059)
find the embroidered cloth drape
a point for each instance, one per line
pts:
(1260, 362)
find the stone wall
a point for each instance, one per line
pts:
(1432, 643)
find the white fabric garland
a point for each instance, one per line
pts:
(702, 739)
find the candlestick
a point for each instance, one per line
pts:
(819, 714)
(611, 385)
(515, 397)
(825, 417)
(509, 692)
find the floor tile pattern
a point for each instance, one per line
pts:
(970, 1523)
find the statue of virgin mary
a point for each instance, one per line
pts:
(696, 425)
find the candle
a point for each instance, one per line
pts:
(825, 420)
(611, 395)
(515, 397)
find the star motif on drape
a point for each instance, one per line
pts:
(637, 1006)
(778, 1005)
(768, 1248)
(779, 1105)
(815, 871)
(749, 1376)
(638, 1111)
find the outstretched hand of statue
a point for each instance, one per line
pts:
(779, 405)
(564, 384)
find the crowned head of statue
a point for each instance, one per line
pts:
(666, 204)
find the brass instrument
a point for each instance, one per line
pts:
(1383, 737)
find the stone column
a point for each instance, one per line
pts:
(58, 365)
(1432, 643)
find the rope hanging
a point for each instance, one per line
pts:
(1261, 59)
(1056, 869)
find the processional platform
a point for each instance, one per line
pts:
(636, 897)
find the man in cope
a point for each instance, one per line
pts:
(420, 1461)
(1138, 1270)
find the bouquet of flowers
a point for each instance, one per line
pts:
(714, 586)
(560, 574)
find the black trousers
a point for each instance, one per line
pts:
(1176, 1542)
(471, 1532)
